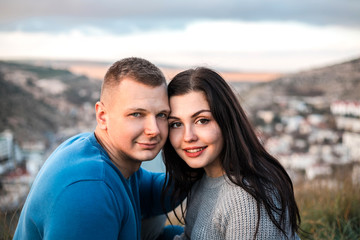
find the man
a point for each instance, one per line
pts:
(92, 186)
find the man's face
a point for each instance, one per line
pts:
(136, 120)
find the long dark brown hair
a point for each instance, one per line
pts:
(244, 159)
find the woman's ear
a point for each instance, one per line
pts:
(101, 115)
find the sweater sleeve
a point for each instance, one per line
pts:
(84, 210)
(241, 217)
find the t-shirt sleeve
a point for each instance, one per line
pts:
(150, 189)
(84, 210)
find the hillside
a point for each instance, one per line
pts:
(38, 102)
(41, 101)
(339, 81)
(22, 113)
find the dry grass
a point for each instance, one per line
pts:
(8, 222)
(330, 209)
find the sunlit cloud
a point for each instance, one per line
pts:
(270, 46)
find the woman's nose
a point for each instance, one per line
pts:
(190, 135)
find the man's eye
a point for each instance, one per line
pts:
(135, 114)
(175, 125)
(162, 115)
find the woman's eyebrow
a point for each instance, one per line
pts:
(173, 117)
(199, 112)
(192, 116)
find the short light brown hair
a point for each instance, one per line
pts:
(137, 69)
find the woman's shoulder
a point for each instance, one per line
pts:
(230, 188)
(233, 195)
(233, 189)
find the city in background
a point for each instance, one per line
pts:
(294, 65)
(309, 120)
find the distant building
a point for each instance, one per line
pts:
(10, 153)
(14, 164)
(292, 123)
(352, 142)
(34, 152)
(347, 115)
(323, 136)
(318, 170)
(348, 123)
(298, 161)
(280, 145)
(346, 108)
(266, 116)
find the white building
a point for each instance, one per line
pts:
(10, 153)
(318, 170)
(352, 142)
(279, 145)
(348, 124)
(346, 108)
(298, 161)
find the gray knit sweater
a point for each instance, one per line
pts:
(218, 209)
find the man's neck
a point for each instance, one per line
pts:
(126, 166)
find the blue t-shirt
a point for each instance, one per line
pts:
(80, 194)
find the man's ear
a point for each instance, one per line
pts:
(101, 115)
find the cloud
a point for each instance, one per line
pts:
(271, 46)
(279, 35)
(129, 16)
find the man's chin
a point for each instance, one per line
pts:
(148, 157)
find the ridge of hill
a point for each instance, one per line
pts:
(97, 70)
(336, 82)
(339, 81)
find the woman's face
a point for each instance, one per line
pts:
(194, 133)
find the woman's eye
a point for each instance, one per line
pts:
(175, 125)
(203, 121)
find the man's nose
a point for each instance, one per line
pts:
(151, 127)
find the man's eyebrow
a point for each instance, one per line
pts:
(194, 115)
(144, 110)
(137, 109)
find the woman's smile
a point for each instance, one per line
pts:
(194, 133)
(194, 151)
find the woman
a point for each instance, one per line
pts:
(235, 189)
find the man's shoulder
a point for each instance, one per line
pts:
(76, 159)
(79, 139)
(79, 148)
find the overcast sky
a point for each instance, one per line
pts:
(244, 35)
